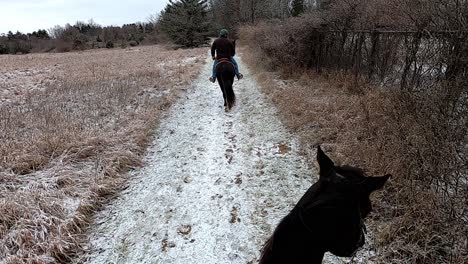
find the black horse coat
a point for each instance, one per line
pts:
(328, 218)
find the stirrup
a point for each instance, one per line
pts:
(240, 76)
(212, 79)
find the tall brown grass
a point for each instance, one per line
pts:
(419, 137)
(67, 144)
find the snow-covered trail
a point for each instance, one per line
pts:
(214, 187)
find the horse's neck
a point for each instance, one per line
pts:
(312, 250)
(311, 258)
(308, 248)
(311, 255)
(316, 258)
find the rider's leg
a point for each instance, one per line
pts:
(236, 68)
(213, 74)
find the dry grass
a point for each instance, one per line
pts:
(71, 126)
(421, 216)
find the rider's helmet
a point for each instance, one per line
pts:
(223, 33)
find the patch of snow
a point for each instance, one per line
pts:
(15, 84)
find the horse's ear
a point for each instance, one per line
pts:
(375, 183)
(325, 163)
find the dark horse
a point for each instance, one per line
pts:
(225, 75)
(329, 217)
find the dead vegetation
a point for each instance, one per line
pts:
(418, 134)
(67, 143)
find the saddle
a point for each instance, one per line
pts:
(224, 60)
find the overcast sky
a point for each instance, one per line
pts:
(30, 15)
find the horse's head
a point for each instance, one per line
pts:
(349, 181)
(329, 217)
(341, 200)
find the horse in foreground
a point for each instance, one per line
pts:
(328, 218)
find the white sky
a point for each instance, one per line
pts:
(30, 15)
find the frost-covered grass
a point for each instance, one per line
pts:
(71, 125)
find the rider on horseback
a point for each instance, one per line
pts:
(224, 49)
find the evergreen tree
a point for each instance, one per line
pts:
(297, 7)
(40, 34)
(186, 22)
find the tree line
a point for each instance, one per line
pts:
(80, 36)
(187, 23)
(190, 23)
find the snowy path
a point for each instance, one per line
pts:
(214, 188)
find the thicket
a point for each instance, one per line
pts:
(409, 65)
(80, 36)
(12, 43)
(231, 13)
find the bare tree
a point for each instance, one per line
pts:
(230, 13)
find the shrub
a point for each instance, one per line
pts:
(109, 44)
(133, 43)
(3, 49)
(63, 46)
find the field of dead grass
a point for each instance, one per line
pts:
(421, 214)
(71, 126)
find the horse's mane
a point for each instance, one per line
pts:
(266, 248)
(269, 244)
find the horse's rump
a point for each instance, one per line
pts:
(224, 60)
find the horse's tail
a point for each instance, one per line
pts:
(230, 95)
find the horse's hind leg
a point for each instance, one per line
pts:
(224, 97)
(222, 90)
(230, 96)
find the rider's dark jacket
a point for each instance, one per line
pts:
(223, 47)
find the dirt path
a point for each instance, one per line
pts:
(214, 187)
